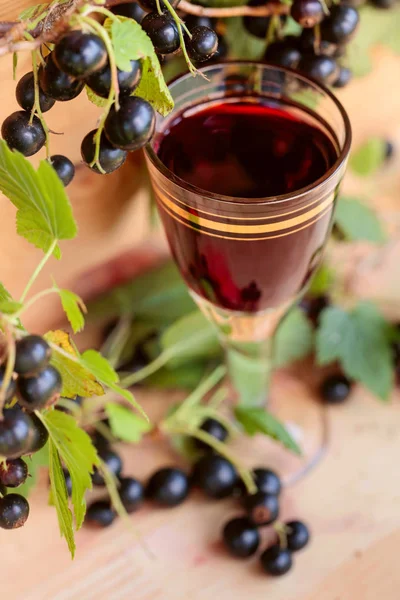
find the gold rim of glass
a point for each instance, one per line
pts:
(268, 199)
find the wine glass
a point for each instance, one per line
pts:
(248, 257)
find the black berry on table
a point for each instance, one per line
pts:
(276, 560)
(241, 537)
(214, 428)
(39, 390)
(131, 493)
(14, 511)
(163, 32)
(100, 82)
(168, 487)
(32, 354)
(25, 94)
(64, 168)
(112, 461)
(297, 535)
(100, 514)
(335, 389)
(132, 126)
(110, 158)
(16, 433)
(79, 54)
(261, 508)
(307, 13)
(28, 138)
(203, 44)
(57, 84)
(215, 475)
(13, 473)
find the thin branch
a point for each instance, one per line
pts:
(270, 8)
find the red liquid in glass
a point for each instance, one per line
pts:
(245, 150)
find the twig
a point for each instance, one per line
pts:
(267, 10)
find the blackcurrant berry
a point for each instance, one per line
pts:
(215, 475)
(168, 487)
(213, 428)
(16, 433)
(313, 306)
(384, 3)
(222, 49)
(11, 388)
(132, 126)
(64, 168)
(39, 390)
(112, 461)
(151, 5)
(163, 32)
(100, 513)
(110, 158)
(203, 44)
(261, 508)
(297, 535)
(344, 77)
(100, 82)
(267, 481)
(25, 94)
(131, 493)
(79, 54)
(192, 21)
(321, 68)
(341, 24)
(282, 54)
(307, 13)
(39, 437)
(68, 481)
(28, 138)
(131, 10)
(335, 389)
(32, 354)
(13, 473)
(241, 538)
(276, 560)
(14, 511)
(57, 84)
(309, 44)
(389, 151)
(258, 26)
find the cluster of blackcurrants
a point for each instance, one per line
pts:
(217, 478)
(35, 384)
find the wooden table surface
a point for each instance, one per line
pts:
(351, 500)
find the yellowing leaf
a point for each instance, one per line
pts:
(152, 86)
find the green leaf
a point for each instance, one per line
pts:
(94, 98)
(322, 281)
(259, 420)
(78, 455)
(361, 341)
(43, 210)
(291, 27)
(294, 338)
(77, 380)
(4, 293)
(369, 157)
(126, 425)
(130, 41)
(9, 307)
(377, 27)
(74, 308)
(191, 338)
(242, 44)
(59, 496)
(152, 86)
(186, 377)
(357, 221)
(35, 462)
(158, 296)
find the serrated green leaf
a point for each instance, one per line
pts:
(259, 420)
(9, 307)
(152, 86)
(369, 157)
(322, 281)
(60, 497)
(241, 43)
(43, 210)
(357, 221)
(94, 98)
(34, 462)
(129, 40)
(191, 338)
(74, 308)
(126, 425)
(294, 338)
(77, 380)
(78, 455)
(361, 341)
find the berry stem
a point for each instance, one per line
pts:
(38, 269)
(179, 24)
(88, 10)
(281, 531)
(268, 9)
(34, 299)
(202, 389)
(9, 364)
(36, 106)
